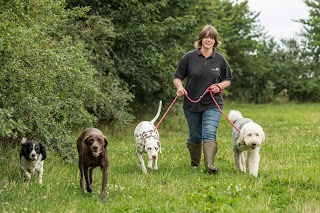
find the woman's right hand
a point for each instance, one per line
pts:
(181, 91)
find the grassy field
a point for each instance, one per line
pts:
(288, 181)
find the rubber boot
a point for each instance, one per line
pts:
(210, 149)
(195, 153)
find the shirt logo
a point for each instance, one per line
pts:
(215, 69)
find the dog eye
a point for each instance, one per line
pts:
(149, 148)
(156, 148)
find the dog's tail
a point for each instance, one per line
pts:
(234, 115)
(158, 113)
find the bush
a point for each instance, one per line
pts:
(47, 83)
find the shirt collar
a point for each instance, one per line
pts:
(213, 55)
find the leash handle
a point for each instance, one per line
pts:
(220, 89)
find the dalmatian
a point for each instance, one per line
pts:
(148, 141)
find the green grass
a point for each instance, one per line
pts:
(288, 179)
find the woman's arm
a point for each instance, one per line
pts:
(180, 89)
(224, 84)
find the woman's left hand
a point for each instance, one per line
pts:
(215, 88)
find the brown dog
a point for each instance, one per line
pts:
(92, 150)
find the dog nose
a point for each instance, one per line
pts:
(95, 148)
(154, 157)
(33, 155)
(253, 144)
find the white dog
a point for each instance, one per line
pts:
(147, 140)
(249, 139)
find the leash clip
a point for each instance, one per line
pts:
(204, 93)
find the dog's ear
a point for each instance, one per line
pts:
(43, 151)
(105, 141)
(23, 151)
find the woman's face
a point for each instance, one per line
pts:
(208, 42)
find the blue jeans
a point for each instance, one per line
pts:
(202, 125)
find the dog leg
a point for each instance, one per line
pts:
(81, 175)
(104, 184)
(242, 160)
(90, 175)
(155, 165)
(40, 176)
(253, 159)
(237, 163)
(141, 162)
(150, 163)
(26, 175)
(86, 176)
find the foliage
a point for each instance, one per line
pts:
(309, 90)
(291, 71)
(287, 181)
(9, 127)
(97, 33)
(141, 47)
(44, 80)
(312, 31)
(113, 106)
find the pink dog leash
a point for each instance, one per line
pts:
(195, 101)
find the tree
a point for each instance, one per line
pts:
(98, 34)
(243, 41)
(311, 45)
(312, 30)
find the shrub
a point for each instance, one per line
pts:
(45, 82)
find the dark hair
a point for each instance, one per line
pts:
(206, 31)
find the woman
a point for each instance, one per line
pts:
(203, 68)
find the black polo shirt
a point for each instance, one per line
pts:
(202, 72)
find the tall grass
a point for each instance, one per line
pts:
(288, 179)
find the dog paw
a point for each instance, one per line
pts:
(144, 170)
(89, 189)
(27, 176)
(255, 174)
(103, 196)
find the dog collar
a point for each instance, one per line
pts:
(149, 134)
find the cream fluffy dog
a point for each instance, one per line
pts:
(249, 139)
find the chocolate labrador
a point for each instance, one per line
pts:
(92, 150)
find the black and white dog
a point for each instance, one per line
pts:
(32, 156)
